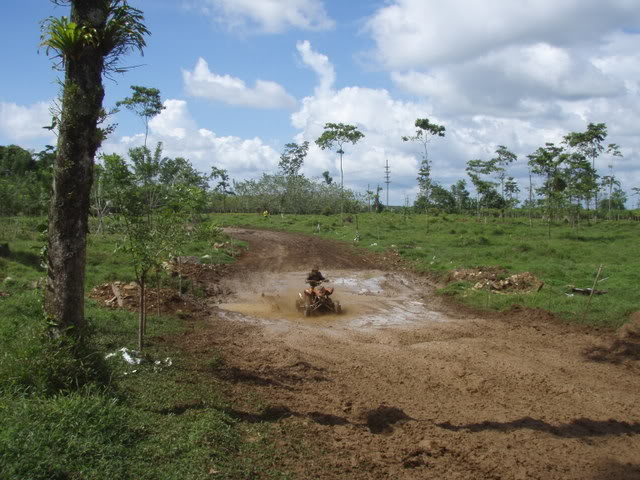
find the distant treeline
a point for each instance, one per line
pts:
(25, 184)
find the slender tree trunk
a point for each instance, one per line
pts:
(78, 140)
(341, 186)
(158, 291)
(141, 320)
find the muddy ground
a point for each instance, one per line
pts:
(404, 386)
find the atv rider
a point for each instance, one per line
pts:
(315, 278)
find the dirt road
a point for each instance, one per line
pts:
(403, 386)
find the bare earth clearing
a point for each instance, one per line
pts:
(404, 386)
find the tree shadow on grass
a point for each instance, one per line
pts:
(28, 259)
(579, 428)
(280, 412)
(239, 375)
(378, 421)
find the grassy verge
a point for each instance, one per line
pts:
(571, 257)
(146, 421)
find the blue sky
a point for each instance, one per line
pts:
(241, 78)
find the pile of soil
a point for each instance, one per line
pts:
(127, 296)
(204, 275)
(493, 278)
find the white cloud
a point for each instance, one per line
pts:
(513, 81)
(425, 33)
(181, 137)
(201, 82)
(320, 64)
(268, 16)
(484, 102)
(19, 123)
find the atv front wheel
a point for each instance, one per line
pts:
(307, 310)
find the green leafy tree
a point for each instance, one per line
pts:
(590, 144)
(145, 103)
(292, 158)
(328, 179)
(337, 135)
(477, 169)
(223, 187)
(511, 189)
(548, 161)
(179, 171)
(461, 195)
(425, 131)
(291, 162)
(87, 45)
(151, 230)
(442, 198)
(502, 160)
(147, 168)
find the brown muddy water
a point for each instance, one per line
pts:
(369, 299)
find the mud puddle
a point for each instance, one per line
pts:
(370, 299)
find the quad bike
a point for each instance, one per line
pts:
(314, 300)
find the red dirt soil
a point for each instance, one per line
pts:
(516, 395)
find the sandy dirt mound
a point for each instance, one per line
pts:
(127, 296)
(496, 280)
(420, 390)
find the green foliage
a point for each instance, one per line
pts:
(292, 158)
(273, 193)
(66, 39)
(121, 31)
(425, 131)
(145, 103)
(337, 134)
(25, 180)
(62, 417)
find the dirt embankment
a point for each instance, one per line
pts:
(403, 386)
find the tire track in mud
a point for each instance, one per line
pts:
(501, 396)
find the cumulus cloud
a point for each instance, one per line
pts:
(499, 72)
(383, 120)
(483, 102)
(268, 16)
(201, 82)
(320, 64)
(425, 33)
(513, 81)
(22, 123)
(181, 137)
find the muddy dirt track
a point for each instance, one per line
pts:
(403, 386)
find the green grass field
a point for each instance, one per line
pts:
(571, 257)
(64, 418)
(90, 418)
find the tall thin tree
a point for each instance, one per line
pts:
(336, 135)
(86, 46)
